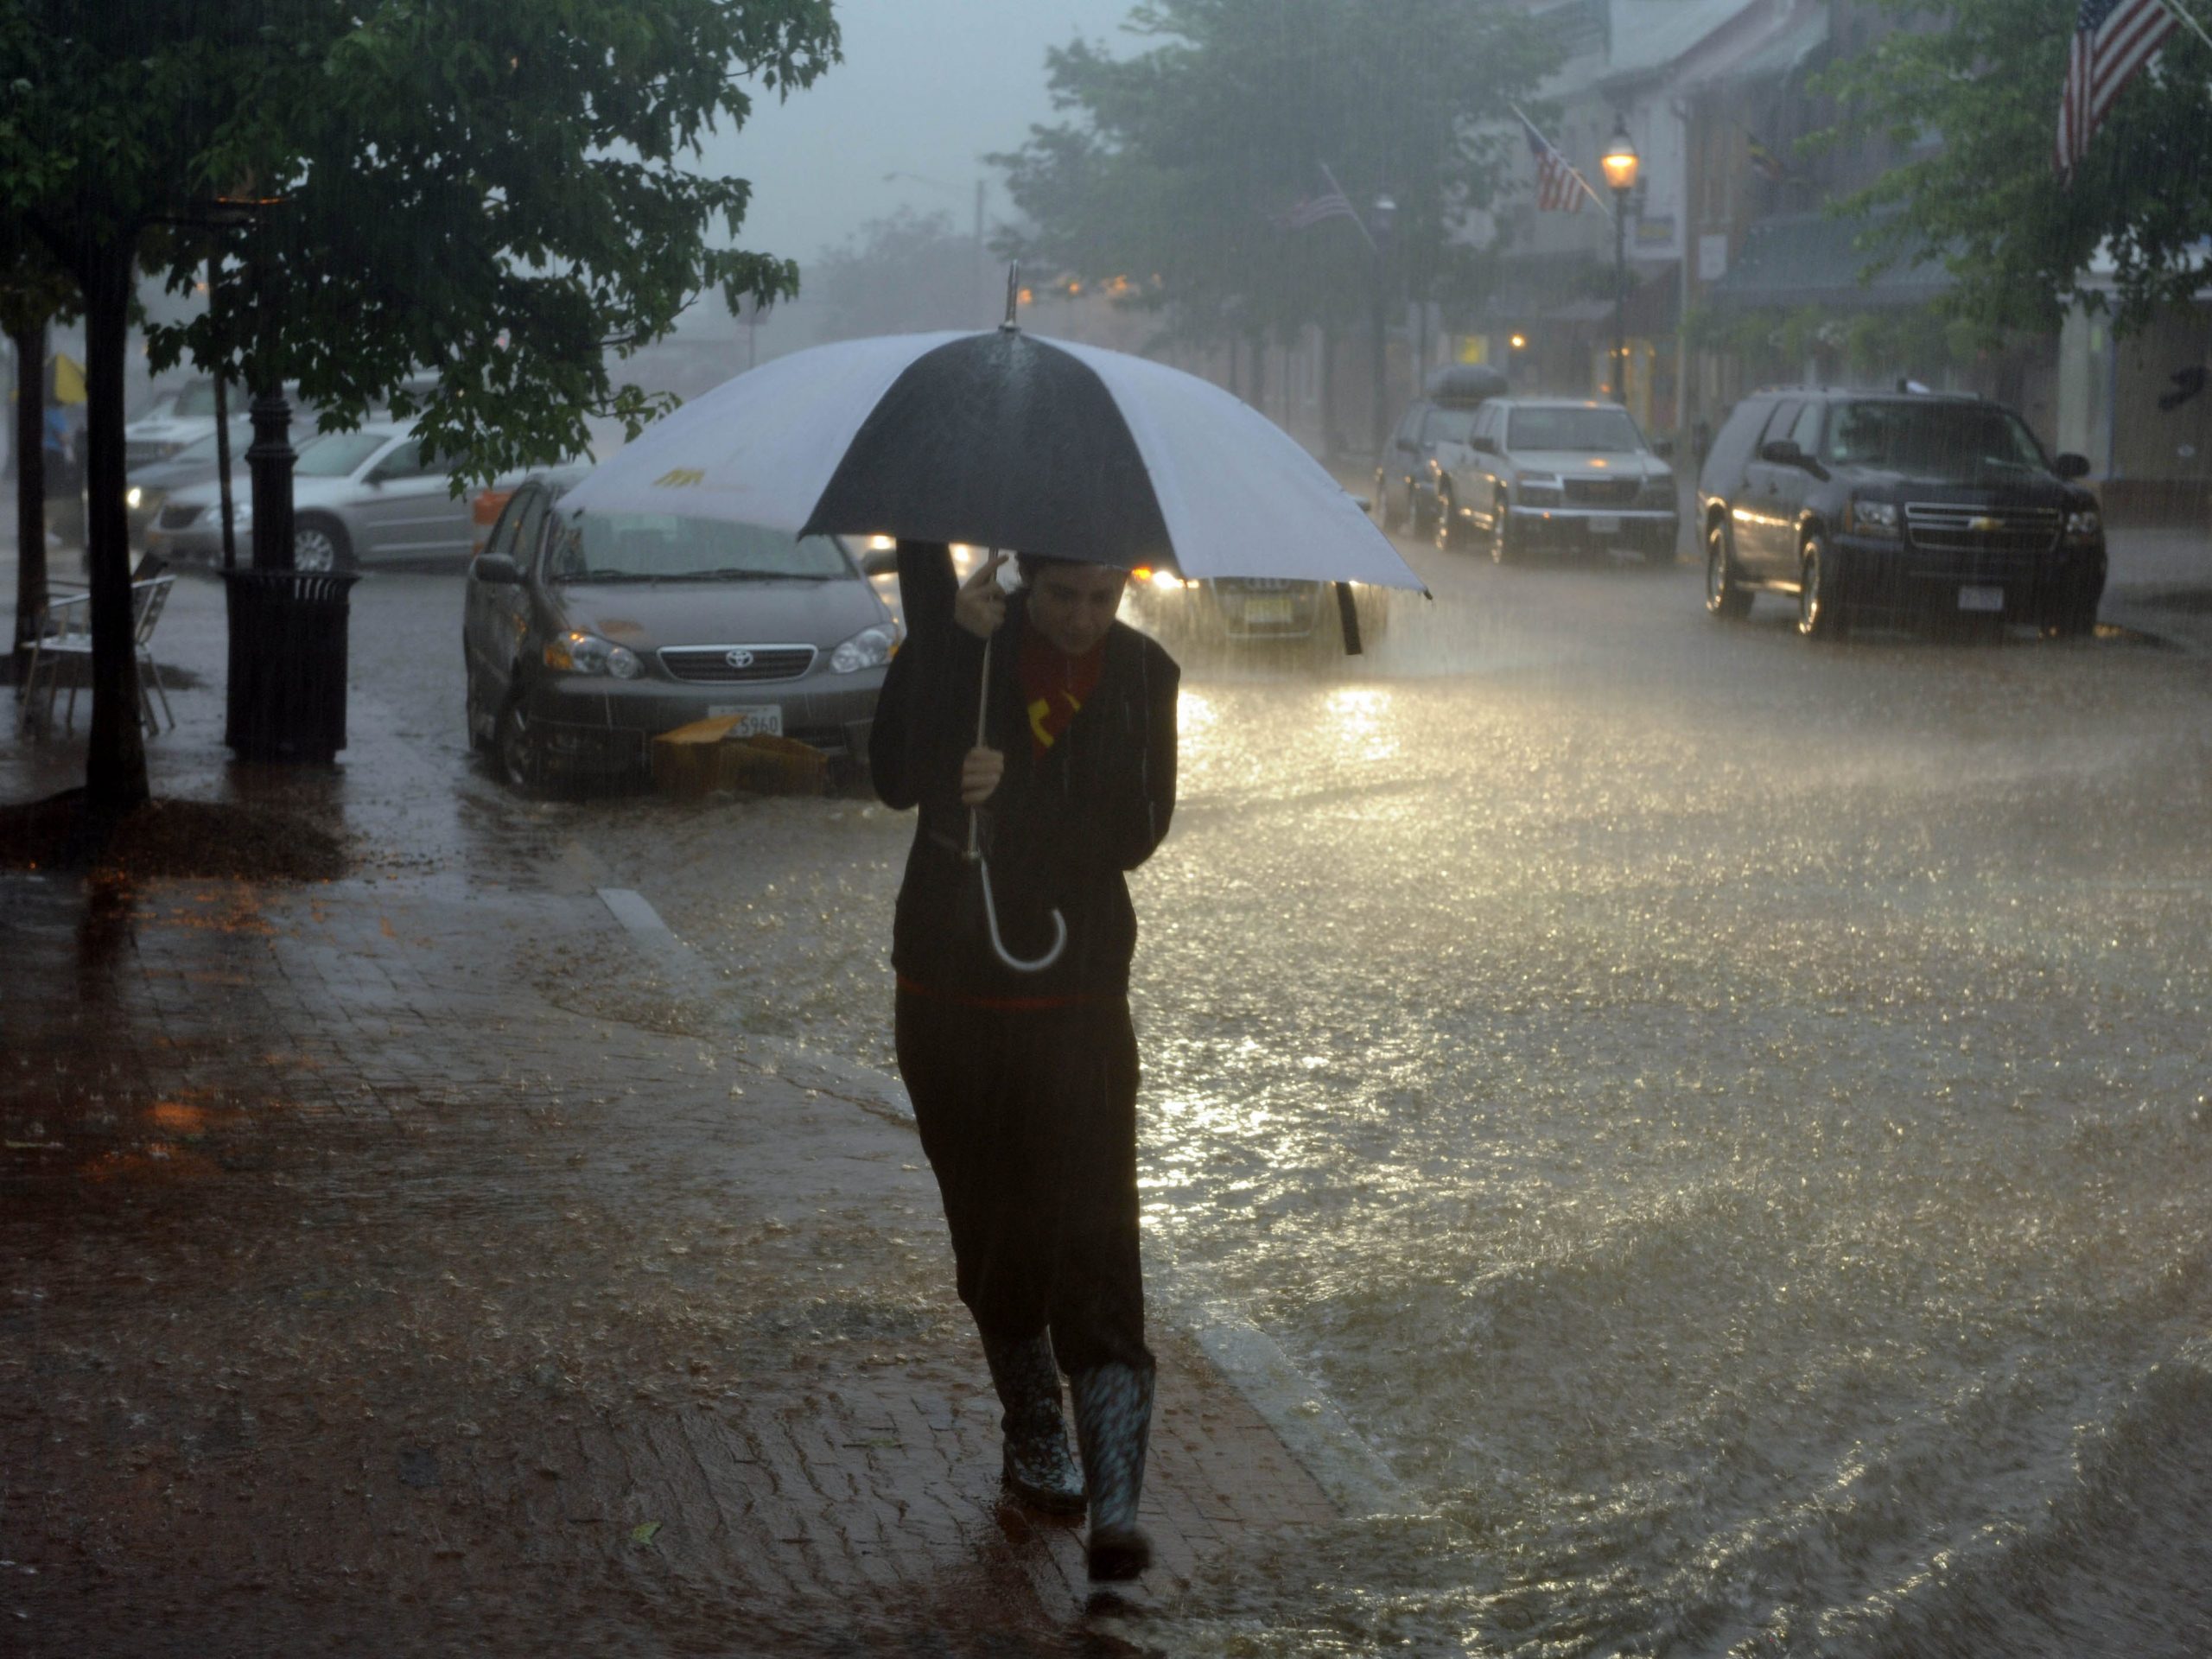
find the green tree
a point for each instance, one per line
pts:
(1970, 94)
(494, 190)
(1173, 161)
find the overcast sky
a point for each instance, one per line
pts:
(927, 87)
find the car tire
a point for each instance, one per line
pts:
(1724, 597)
(1505, 546)
(1820, 605)
(515, 749)
(319, 544)
(480, 741)
(1391, 520)
(1416, 518)
(2072, 622)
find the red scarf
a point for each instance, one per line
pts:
(1054, 686)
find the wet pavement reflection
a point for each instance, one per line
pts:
(1726, 1118)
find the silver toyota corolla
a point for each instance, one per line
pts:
(586, 637)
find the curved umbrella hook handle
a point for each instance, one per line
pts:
(991, 921)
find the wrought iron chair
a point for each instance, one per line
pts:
(65, 635)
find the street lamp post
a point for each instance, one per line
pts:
(1620, 163)
(1381, 218)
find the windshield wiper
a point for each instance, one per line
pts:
(606, 575)
(739, 573)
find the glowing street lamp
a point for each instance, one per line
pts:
(1620, 162)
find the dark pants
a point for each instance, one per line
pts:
(1029, 1120)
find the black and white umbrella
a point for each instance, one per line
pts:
(1003, 440)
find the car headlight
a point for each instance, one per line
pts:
(1656, 492)
(1539, 489)
(577, 652)
(132, 496)
(2083, 526)
(870, 648)
(1874, 518)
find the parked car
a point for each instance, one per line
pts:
(585, 638)
(487, 501)
(1557, 475)
(361, 497)
(1903, 505)
(148, 488)
(175, 419)
(1406, 475)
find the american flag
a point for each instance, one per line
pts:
(2112, 39)
(1315, 210)
(1558, 187)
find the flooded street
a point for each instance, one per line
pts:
(1728, 1119)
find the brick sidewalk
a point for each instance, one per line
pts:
(352, 1285)
(368, 1288)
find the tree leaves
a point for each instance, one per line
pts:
(495, 194)
(1173, 159)
(1972, 103)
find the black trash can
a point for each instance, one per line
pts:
(287, 693)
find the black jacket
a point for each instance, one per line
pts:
(1061, 829)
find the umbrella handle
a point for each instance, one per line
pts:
(991, 922)
(983, 868)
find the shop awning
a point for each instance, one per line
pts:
(1794, 260)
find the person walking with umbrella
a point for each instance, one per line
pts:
(1012, 943)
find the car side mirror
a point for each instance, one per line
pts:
(2070, 465)
(1483, 443)
(496, 567)
(880, 561)
(1664, 448)
(1782, 452)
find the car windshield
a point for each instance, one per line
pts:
(335, 455)
(661, 547)
(197, 398)
(1605, 431)
(1447, 425)
(200, 452)
(1939, 439)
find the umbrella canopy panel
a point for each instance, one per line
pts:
(1004, 441)
(1008, 441)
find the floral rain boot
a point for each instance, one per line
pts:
(1113, 1421)
(1036, 1466)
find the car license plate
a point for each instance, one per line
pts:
(1981, 599)
(1605, 523)
(1274, 609)
(754, 719)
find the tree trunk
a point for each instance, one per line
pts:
(31, 488)
(115, 760)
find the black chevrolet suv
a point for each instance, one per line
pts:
(1903, 504)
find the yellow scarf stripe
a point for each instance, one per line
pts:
(1041, 710)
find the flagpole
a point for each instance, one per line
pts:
(2193, 26)
(1573, 172)
(1358, 217)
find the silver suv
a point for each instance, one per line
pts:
(1557, 475)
